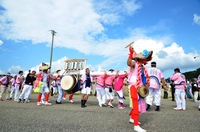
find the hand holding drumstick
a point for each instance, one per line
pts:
(132, 52)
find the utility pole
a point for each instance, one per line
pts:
(53, 34)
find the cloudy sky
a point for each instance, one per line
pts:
(99, 30)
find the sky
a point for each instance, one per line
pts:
(99, 30)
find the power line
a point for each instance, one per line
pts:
(19, 44)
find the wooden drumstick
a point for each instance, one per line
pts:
(129, 44)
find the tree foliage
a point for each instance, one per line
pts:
(192, 74)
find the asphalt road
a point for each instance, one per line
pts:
(70, 117)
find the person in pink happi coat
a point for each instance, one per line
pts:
(4, 81)
(109, 80)
(156, 77)
(180, 86)
(118, 85)
(100, 89)
(137, 77)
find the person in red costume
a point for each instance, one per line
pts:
(70, 97)
(42, 87)
(137, 77)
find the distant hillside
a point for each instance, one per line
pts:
(192, 74)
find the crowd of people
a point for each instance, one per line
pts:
(108, 83)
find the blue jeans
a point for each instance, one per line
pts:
(188, 92)
(60, 94)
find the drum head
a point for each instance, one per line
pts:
(67, 82)
(143, 91)
(74, 90)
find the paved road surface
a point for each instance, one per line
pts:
(70, 117)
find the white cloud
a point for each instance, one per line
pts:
(130, 7)
(75, 22)
(80, 23)
(56, 65)
(1, 42)
(110, 19)
(1, 72)
(31, 20)
(14, 69)
(112, 11)
(196, 19)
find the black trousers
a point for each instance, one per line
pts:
(173, 92)
(165, 95)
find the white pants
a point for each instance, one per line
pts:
(44, 88)
(43, 97)
(26, 92)
(157, 96)
(17, 93)
(11, 92)
(109, 95)
(86, 90)
(55, 90)
(101, 95)
(120, 96)
(196, 93)
(180, 98)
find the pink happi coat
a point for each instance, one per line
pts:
(132, 77)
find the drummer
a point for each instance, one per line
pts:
(137, 76)
(86, 80)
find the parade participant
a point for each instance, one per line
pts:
(109, 80)
(18, 85)
(180, 86)
(118, 85)
(42, 85)
(12, 89)
(4, 81)
(137, 77)
(156, 77)
(60, 90)
(165, 94)
(172, 90)
(42, 101)
(195, 90)
(37, 84)
(188, 93)
(198, 81)
(64, 95)
(86, 80)
(199, 106)
(55, 89)
(70, 97)
(28, 86)
(100, 89)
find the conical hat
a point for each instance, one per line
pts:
(45, 67)
(145, 55)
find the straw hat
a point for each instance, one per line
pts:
(147, 55)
